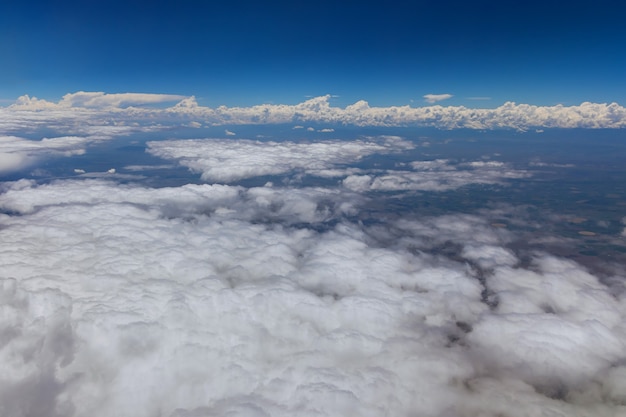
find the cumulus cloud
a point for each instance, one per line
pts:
(433, 98)
(129, 108)
(509, 116)
(207, 299)
(18, 153)
(541, 333)
(230, 160)
(97, 100)
(435, 175)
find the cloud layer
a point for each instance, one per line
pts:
(214, 300)
(230, 160)
(17, 153)
(324, 292)
(131, 106)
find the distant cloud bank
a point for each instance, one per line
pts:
(132, 107)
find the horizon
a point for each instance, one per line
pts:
(181, 110)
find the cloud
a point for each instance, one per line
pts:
(544, 337)
(433, 98)
(100, 113)
(232, 160)
(235, 301)
(96, 100)
(435, 175)
(19, 153)
(507, 116)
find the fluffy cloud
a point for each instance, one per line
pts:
(231, 160)
(289, 205)
(214, 299)
(18, 153)
(509, 115)
(436, 175)
(96, 100)
(131, 108)
(433, 98)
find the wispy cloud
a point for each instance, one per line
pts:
(434, 98)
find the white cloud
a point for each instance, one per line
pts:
(118, 299)
(433, 98)
(436, 175)
(97, 110)
(146, 167)
(97, 100)
(231, 160)
(509, 115)
(18, 153)
(543, 334)
(309, 205)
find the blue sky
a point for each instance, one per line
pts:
(245, 52)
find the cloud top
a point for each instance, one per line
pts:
(137, 107)
(97, 100)
(227, 160)
(208, 300)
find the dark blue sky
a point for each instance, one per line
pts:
(242, 52)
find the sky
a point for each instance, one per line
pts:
(241, 52)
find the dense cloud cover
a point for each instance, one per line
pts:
(119, 297)
(207, 300)
(132, 107)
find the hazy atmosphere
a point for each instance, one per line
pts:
(312, 209)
